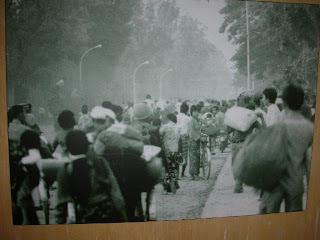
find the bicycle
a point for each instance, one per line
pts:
(205, 156)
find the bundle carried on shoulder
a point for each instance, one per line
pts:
(262, 160)
(240, 118)
(123, 138)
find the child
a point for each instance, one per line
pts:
(89, 184)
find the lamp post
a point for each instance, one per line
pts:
(80, 67)
(134, 80)
(161, 77)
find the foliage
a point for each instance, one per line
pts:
(284, 40)
(46, 39)
(170, 40)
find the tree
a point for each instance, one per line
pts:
(45, 41)
(284, 41)
(170, 40)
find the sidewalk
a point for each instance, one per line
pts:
(222, 202)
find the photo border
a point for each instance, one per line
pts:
(299, 225)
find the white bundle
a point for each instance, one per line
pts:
(240, 118)
(150, 152)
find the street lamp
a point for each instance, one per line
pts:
(169, 70)
(134, 80)
(98, 46)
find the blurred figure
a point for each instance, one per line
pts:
(257, 100)
(31, 142)
(238, 139)
(142, 121)
(66, 122)
(102, 119)
(118, 111)
(88, 183)
(149, 102)
(299, 136)
(16, 117)
(85, 121)
(107, 104)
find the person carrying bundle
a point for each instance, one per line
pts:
(283, 158)
(122, 146)
(88, 183)
(299, 135)
(240, 133)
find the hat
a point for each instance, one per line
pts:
(102, 113)
(141, 111)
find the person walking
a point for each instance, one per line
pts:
(88, 183)
(299, 132)
(183, 121)
(194, 132)
(269, 100)
(171, 136)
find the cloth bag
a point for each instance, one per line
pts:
(240, 118)
(262, 160)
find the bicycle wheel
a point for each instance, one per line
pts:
(206, 163)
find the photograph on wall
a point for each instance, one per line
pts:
(155, 110)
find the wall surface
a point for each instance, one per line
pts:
(302, 225)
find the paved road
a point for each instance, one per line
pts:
(190, 199)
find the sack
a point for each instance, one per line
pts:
(155, 172)
(126, 131)
(116, 143)
(240, 118)
(262, 160)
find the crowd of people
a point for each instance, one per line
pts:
(104, 172)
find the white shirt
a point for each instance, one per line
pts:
(182, 122)
(178, 105)
(171, 136)
(273, 115)
(264, 114)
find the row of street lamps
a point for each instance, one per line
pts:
(134, 73)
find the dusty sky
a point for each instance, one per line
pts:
(208, 13)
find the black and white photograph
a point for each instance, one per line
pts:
(155, 110)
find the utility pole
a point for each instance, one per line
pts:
(248, 47)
